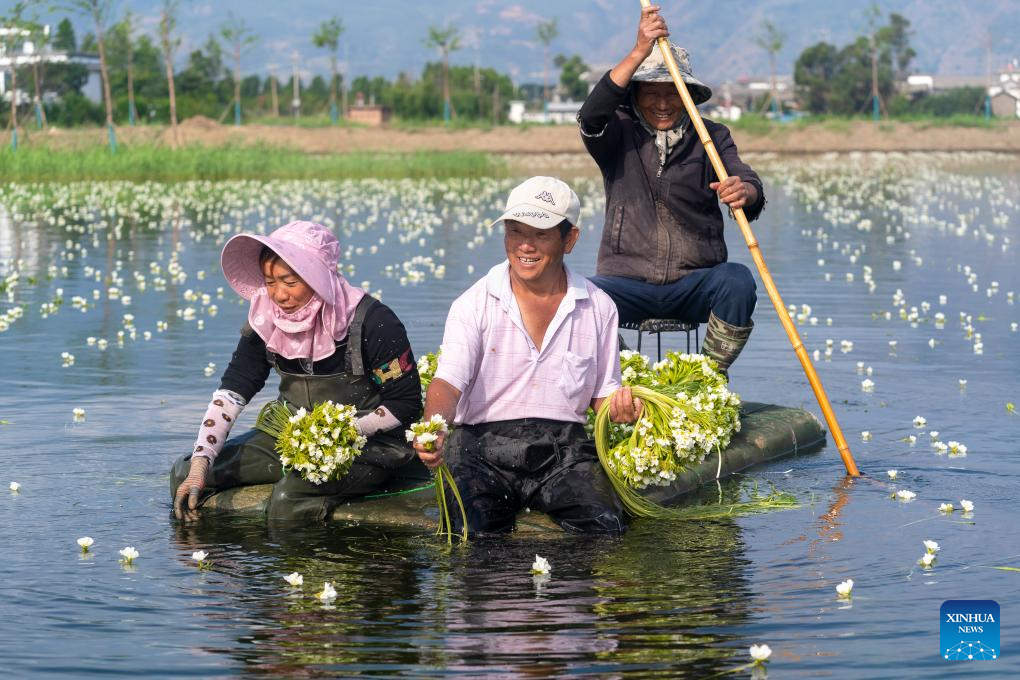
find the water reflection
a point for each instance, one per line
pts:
(404, 601)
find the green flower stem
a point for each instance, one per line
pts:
(445, 478)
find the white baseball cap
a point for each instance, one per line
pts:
(542, 202)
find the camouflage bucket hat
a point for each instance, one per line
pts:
(653, 70)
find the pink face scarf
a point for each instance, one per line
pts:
(313, 253)
(311, 331)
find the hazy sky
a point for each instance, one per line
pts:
(385, 37)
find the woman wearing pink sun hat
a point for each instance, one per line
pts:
(328, 341)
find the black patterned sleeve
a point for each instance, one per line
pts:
(248, 369)
(391, 364)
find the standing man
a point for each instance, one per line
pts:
(527, 349)
(663, 254)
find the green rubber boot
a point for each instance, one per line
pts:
(724, 342)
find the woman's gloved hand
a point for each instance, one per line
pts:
(186, 498)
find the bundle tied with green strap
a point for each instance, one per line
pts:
(688, 413)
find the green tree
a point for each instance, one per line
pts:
(813, 74)
(64, 38)
(771, 40)
(64, 79)
(846, 80)
(11, 41)
(99, 12)
(895, 39)
(169, 41)
(546, 33)
(328, 36)
(239, 37)
(40, 37)
(446, 40)
(571, 70)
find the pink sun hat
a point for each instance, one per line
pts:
(307, 248)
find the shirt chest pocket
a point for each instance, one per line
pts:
(577, 378)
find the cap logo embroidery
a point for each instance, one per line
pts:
(547, 197)
(531, 213)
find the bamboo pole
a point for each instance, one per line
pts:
(759, 261)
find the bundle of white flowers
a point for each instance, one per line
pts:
(426, 433)
(427, 366)
(320, 444)
(688, 414)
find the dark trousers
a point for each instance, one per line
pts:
(726, 290)
(546, 465)
(252, 459)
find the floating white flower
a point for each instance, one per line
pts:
(760, 653)
(968, 506)
(927, 560)
(867, 385)
(78, 414)
(905, 495)
(540, 566)
(296, 580)
(199, 557)
(963, 383)
(931, 546)
(15, 487)
(85, 542)
(128, 555)
(957, 449)
(844, 587)
(866, 436)
(892, 473)
(920, 421)
(946, 507)
(327, 593)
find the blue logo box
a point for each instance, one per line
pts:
(969, 630)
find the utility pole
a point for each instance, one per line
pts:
(295, 103)
(495, 104)
(988, 76)
(875, 112)
(273, 97)
(874, 13)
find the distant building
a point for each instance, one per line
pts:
(554, 112)
(368, 114)
(26, 54)
(1005, 94)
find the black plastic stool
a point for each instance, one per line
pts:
(660, 326)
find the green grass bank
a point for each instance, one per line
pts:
(161, 164)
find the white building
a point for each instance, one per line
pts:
(555, 113)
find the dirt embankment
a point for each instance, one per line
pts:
(560, 139)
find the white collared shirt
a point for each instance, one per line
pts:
(489, 356)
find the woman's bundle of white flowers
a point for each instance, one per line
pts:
(321, 444)
(688, 414)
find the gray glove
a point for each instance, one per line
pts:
(190, 489)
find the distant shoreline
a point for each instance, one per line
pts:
(821, 137)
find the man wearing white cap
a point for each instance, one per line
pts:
(663, 254)
(526, 351)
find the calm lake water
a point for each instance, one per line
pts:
(671, 600)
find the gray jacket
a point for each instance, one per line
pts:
(661, 223)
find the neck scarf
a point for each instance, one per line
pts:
(665, 140)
